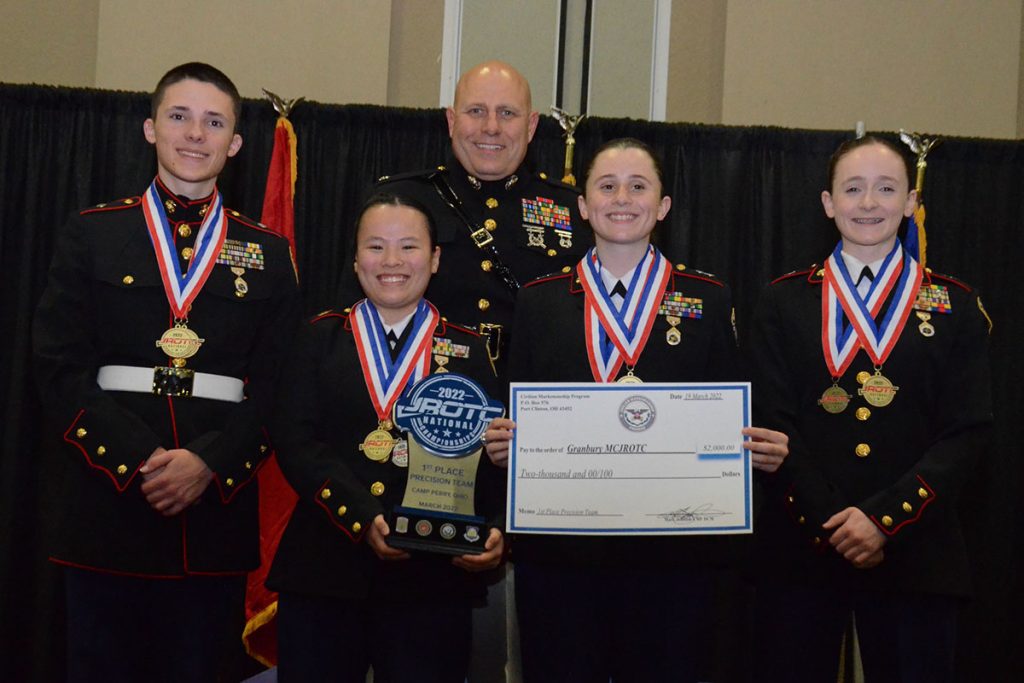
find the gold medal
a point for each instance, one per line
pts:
(863, 376)
(241, 286)
(377, 445)
(180, 342)
(834, 399)
(925, 328)
(629, 378)
(878, 390)
(441, 361)
(673, 336)
(400, 453)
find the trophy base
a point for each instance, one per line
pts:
(436, 532)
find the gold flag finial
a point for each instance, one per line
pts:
(920, 147)
(568, 122)
(282, 106)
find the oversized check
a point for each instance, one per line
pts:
(618, 459)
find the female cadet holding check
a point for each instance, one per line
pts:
(883, 385)
(348, 600)
(632, 609)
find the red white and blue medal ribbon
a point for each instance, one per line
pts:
(848, 319)
(183, 288)
(629, 328)
(386, 379)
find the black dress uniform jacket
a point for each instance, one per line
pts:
(550, 346)
(105, 304)
(516, 212)
(902, 465)
(324, 413)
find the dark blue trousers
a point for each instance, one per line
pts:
(331, 640)
(630, 625)
(903, 638)
(124, 629)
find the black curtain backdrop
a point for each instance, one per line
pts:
(745, 207)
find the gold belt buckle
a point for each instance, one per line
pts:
(173, 381)
(481, 237)
(492, 333)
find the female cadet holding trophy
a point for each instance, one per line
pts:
(348, 599)
(629, 608)
(878, 370)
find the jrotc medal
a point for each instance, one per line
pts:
(834, 399)
(378, 444)
(179, 342)
(849, 320)
(878, 390)
(925, 328)
(617, 336)
(629, 378)
(241, 286)
(385, 378)
(400, 453)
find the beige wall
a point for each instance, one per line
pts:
(414, 56)
(49, 41)
(944, 67)
(696, 63)
(327, 51)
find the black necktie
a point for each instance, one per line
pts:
(619, 289)
(866, 273)
(393, 343)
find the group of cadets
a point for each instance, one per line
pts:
(166, 351)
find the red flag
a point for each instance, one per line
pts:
(277, 499)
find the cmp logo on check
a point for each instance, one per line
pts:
(446, 414)
(637, 413)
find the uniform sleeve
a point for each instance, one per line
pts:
(111, 438)
(230, 451)
(809, 495)
(316, 471)
(964, 420)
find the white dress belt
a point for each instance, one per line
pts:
(145, 380)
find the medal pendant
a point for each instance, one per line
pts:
(673, 336)
(834, 399)
(377, 445)
(441, 361)
(878, 390)
(925, 328)
(179, 342)
(629, 378)
(400, 453)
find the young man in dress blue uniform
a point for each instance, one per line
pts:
(156, 346)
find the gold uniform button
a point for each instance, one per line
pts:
(491, 203)
(263, 448)
(184, 230)
(907, 507)
(128, 279)
(101, 450)
(820, 273)
(566, 269)
(235, 213)
(230, 481)
(486, 266)
(817, 540)
(862, 413)
(377, 488)
(863, 376)
(862, 450)
(186, 253)
(552, 252)
(922, 493)
(801, 519)
(128, 201)
(491, 224)
(680, 267)
(325, 494)
(483, 304)
(886, 521)
(790, 499)
(80, 432)
(543, 175)
(248, 465)
(357, 527)
(342, 510)
(121, 469)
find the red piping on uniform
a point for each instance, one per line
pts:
(88, 459)
(547, 278)
(330, 513)
(698, 277)
(926, 503)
